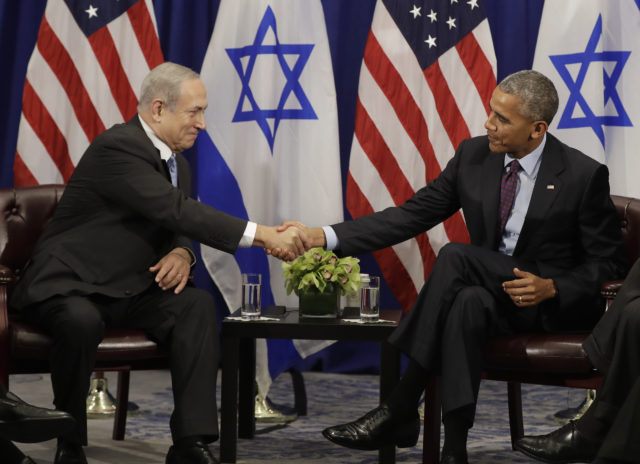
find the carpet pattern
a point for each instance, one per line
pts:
(333, 399)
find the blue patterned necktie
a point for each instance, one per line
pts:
(507, 194)
(173, 170)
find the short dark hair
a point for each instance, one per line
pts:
(538, 94)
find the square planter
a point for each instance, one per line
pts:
(319, 304)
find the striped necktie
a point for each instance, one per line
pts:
(173, 170)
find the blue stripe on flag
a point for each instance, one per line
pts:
(225, 195)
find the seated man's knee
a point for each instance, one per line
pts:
(78, 324)
(470, 307)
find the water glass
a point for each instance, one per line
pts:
(251, 300)
(370, 300)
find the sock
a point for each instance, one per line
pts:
(9, 452)
(403, 400)
(597, 420)
(456, 428)
(187, 442)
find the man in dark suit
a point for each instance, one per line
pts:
(23, 422)
(610, 428)
(117, 253)
(534, 266)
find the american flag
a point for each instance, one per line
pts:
(426, 79)
(83, 76)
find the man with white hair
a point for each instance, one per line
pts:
(117, 253)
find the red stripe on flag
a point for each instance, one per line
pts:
(22, 176)
(478, 67)
(381, 156)
(65, 70)
(47, 131)
(450, 115)
(146, 33)
(406, 108)
(392, 268)
(109, 60)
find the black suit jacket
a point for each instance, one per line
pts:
(571, 230)
(118, 216)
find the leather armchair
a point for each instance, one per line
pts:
(538, 358)
(24, 213)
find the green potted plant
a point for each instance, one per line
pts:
(319, 277)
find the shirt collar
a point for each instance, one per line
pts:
(529, 162)
(163, 148)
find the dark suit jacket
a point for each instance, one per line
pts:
(571, 230)
(118, 216)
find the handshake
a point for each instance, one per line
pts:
(288, 240)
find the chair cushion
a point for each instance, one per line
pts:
(28, 342)
(543, 353)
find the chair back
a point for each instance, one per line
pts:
(24, 213)
(629, 214)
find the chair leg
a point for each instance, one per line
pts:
(432, 420)
(122, 402)
(516, 426)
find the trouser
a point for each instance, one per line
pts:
(614, 348)
(185, 325)
(460, 305)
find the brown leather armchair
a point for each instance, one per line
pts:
(538, 358)
(24, 212)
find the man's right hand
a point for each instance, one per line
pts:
(290, 242)
(315, 237)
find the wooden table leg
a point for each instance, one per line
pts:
(247, 388)
(389, 375)
(229, 400)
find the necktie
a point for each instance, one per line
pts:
(173, 170)
(507, 193)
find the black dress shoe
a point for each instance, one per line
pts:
(453, 460)
(564, 445)
(197, 454)
(374, 430)
(69, 453)
(22, 422)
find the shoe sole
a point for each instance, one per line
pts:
(552, 461)
(34, 430)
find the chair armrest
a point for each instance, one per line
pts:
(6, 275)
(609, 290)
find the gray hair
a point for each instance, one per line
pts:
(538, 94)
(164, 82)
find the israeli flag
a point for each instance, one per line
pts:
(590, 49)
(272, 150)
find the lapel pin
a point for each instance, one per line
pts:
(551, 187)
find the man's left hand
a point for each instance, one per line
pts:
(529, 289)
(173, 270)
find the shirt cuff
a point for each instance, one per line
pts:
(331, 238)
(193, 256)
(249, 235)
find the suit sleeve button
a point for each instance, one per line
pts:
(128, 292)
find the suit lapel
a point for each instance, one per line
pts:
(491, 177)
(545, 191)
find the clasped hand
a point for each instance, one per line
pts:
(289, 242)
(529, 289)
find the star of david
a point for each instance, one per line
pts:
(300, 53)
(590, 119)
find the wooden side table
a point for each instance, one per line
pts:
(239, 366)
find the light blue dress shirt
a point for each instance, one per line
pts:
(527, 178)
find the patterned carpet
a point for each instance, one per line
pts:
(333, 398)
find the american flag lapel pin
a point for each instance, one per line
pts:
(550, 187)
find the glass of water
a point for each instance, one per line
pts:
(370, 300)
(251, 300)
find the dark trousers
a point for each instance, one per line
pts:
(184, 324)
(614, 348)
(460, 305)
